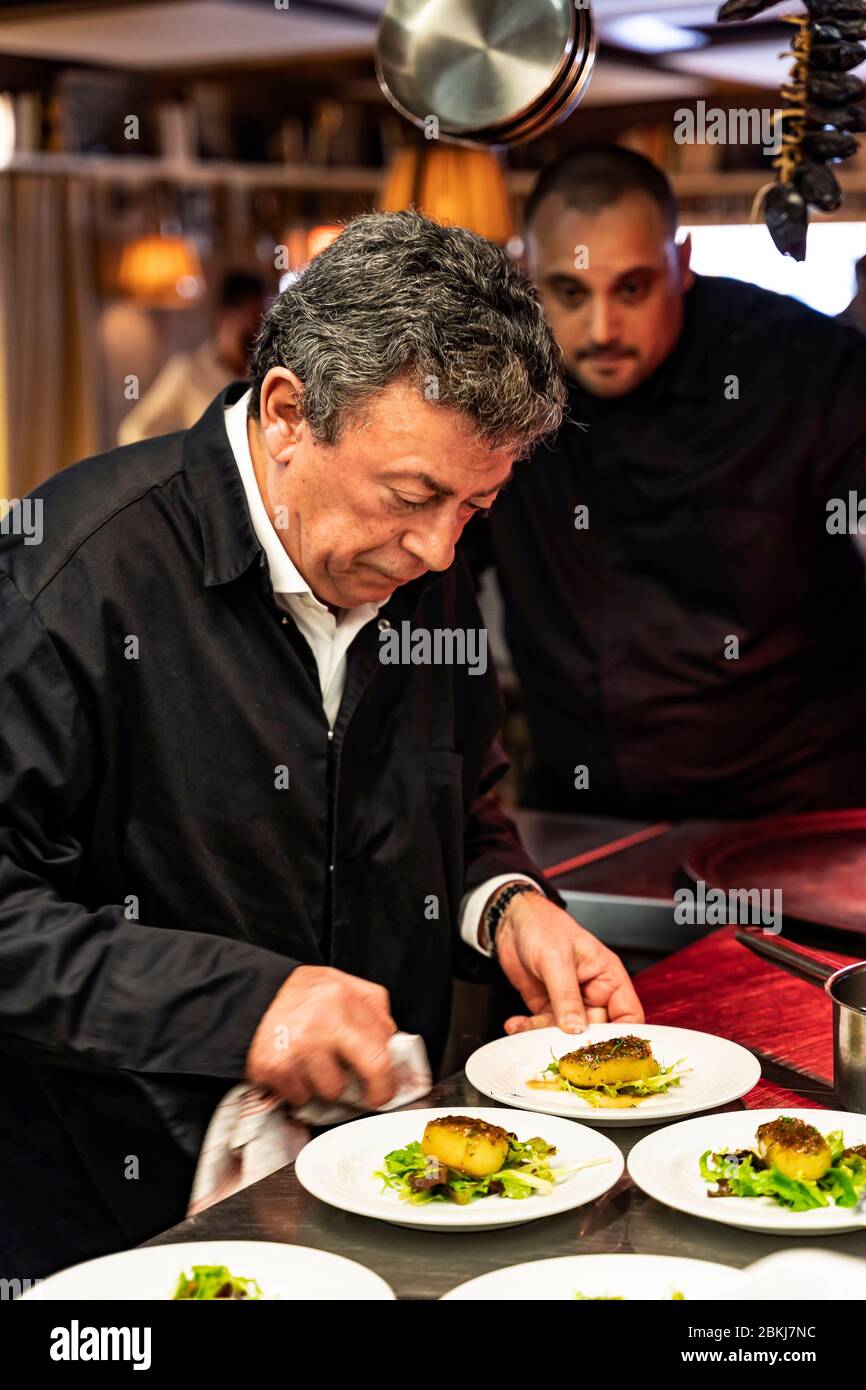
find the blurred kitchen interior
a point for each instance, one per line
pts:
(147, 148)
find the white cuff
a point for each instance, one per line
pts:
(475, 902)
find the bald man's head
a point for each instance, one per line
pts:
(600, 240)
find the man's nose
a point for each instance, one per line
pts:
(433, 544)
(603, 321)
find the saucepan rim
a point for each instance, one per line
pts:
(855, 968)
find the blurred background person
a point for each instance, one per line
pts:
(689, 637)
(188, 382)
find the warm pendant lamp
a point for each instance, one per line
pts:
(453, 184)
(163, 271)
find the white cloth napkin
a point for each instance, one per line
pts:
(253, 1132)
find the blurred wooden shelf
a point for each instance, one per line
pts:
(144, 169)
(358, 178)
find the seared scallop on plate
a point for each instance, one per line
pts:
(614, 1073)
(459, 1170)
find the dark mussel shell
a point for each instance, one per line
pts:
(829, 144)
(842, 117)
(742, 9)
(835, 55)
(831, 9)
(850, 28)
(835, 86)
(817, 185)
(826, 33)
(787, 220)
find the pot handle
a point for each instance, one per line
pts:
(792, 958)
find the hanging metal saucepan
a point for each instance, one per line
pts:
(847, 991)
(492, 72)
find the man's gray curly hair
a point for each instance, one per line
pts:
(397, 295)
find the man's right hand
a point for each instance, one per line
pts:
(321, 1024)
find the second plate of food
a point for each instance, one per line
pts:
(463, 1171)
(789, 1172)
(614, 1074)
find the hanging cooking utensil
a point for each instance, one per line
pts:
(484, 72)
(818, 115)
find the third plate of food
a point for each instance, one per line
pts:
(789, 1172)
(614, 1073)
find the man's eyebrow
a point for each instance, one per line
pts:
(638, 270)
(439, 489)
(497, 487)
(558, 276)
(424, 479)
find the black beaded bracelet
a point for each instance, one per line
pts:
(495, 913)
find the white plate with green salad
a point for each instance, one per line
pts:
(614, 1073)
(459, 1170)
(215, 1270)
(786, 1171)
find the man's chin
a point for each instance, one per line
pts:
(609, 381)
(367, 585)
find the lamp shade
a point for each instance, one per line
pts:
(461, 186)
(165, 271)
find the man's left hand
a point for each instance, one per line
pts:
(566, 976)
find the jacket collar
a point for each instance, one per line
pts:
(230, 542)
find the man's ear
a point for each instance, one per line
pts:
(684, 257)
(280, 414)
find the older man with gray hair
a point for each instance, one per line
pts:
(235, 843)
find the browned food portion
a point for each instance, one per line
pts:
(855, 1151)
(610, 1062)
(797, 1149)
(466, 1145)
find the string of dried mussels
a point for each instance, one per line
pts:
(818, 117)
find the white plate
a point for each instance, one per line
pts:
(665, 1165)
(716, 1071)
(283, 1271)
(338, 1167)
(630, 1276)
(807, 1275)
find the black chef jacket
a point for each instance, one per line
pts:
(158, 879)
(706, 492)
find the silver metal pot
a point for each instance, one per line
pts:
(492, 72)
(847, 990)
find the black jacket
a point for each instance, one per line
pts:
(666, 522)
(157, 880)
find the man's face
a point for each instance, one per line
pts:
(384, 504)
(612, 283)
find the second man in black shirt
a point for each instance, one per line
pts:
(684, 594)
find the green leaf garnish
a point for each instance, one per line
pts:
(214, 1281)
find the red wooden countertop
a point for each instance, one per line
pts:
(719, 986)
